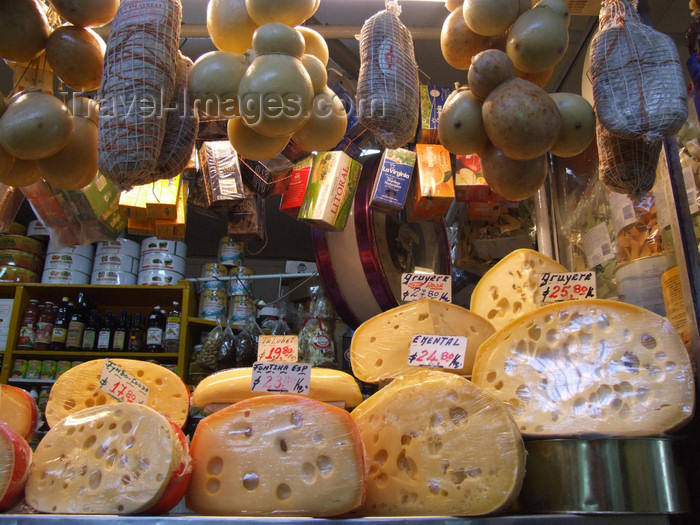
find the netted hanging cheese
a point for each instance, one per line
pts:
(277, 455)
(380, 345)
(78, 388)
(509, 289)
(589, 367)
(439, 445)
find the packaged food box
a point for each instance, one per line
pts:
(221, 172)
(137, 226)
(393, 180)
(432, 99)
(161, 201)
(470, 185)
(268, 177)
(432, 190)
(298, 180)
(98, 199)
(132, 203)
(174, 227)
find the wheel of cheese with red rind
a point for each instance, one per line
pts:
(15, 457)
(589, 367)
(179, 479)
(278, 455)
(19, 411)
(438, 445)
(78, 388)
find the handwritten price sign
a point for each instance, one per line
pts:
(284, 348)
(121, 385)
(281, 377)
(415, 286)
(437, 351)
(566, 286)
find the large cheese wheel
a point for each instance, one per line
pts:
(19, 410)
(78, 388)
(104, 460)
(589, 367)
(439, 445)
(15, 456)
(232, 386)
(380, 345)
(508, 290)
(277, 455)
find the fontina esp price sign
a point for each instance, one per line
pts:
(121, 385)
(439, 351)
(415, 286)
(567, 286)
(281, 378)
(280, 348)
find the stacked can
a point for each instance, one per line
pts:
(37, 230)
(231, 252)
(240, 292)
(68, 265)
(162, 262)
(21, 258)
(212, 297)
(116, 262)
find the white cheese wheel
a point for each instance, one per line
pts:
(589, 367)
(439, 445)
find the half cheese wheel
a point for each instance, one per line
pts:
(231, 386)
(589, 367)
(509, 289)
(78, 388)
(439, 445)
(380, 345)
(115, 459)
(15, 456)
(277, 455)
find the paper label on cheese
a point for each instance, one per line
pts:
(439, 351)
(281, 378)
(121, 385)
(280, 348)
(596, 245)
(566, 286)
(415, 286)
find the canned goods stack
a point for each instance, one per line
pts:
(35, 369)
(116, 262)
(21, 259)
(69, 265)
(212, 297)
(239, 291)
(38, 231)
(162, 262)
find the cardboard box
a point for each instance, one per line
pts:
(132, 203)
(221, 172)
(432, 189)
(161, 200)
(269, 177)
(91, 202)
(432, 99)
(393, 180)
(142, 226)
(298, 180)
(174, 228)
(470, 185)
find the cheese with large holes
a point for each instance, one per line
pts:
(231, 386)
(439, 445)
(277, 455)
(380, 345)
(589, 367)
(509, 289)
(15, 456)
(78, 388)
(115, 459)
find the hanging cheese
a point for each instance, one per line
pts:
(589, 367)
(232, 386)
(439, 445)
(78, 388)
(508, 290)
(277, 455)
(380, 346)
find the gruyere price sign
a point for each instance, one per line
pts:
(415, 286)
(281, 378)
(567, 286)
(280, 348)
(121, 385)
(439, 351)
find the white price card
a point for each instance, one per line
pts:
(440, 351)
(281, 348)
(415, 286)
(281, 377)
(121, 385)
(567, 286)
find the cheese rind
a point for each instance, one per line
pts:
(439, 445)
(380, 345)
(510, 288)
(277, 455)
(589, 367)
(15, 456)
(19, 410)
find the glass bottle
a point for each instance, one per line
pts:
(76, 326)
(59, 333)
(44, 326)
(121, 332)
(172, 328)
(27, 331)
(137, 334)
(89, 339)
(106, 332)
(155, 329)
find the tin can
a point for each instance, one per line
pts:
(73, 364)
(33, 369)
(241, 286)
(62, 367)
(240, 311)
(212, 304)
(231, 252)
(48, 369)
(214, 270)
(19, 368)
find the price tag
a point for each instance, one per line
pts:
(121, 385)
(294, 378)
(283, 348)
(566, 286)
(415, 286)
(441, 351)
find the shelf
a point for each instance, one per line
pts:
(95, 355)
(25, 381)
(203, 322)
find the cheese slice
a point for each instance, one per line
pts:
(380, 345)
(439, 445)
(232, 386)
(277, 455)
(509, 289)
(78, 388)
(115, 459)
(589, 367)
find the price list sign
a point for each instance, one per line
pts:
(281, 378)
(568, 286)
(121, 385)
(281, 348)
(415, 286)
(439, 351)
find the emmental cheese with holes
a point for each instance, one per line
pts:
(78, 388)
(589, 367)
(509, 289)
(277, 455)
(439, 445)
(380, 345)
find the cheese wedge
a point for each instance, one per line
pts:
(380, 345)
(589, 367)
(78, 388)
(509, 289)
(231, 386)
(439, 445)
(115, 459)
(277, 455)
